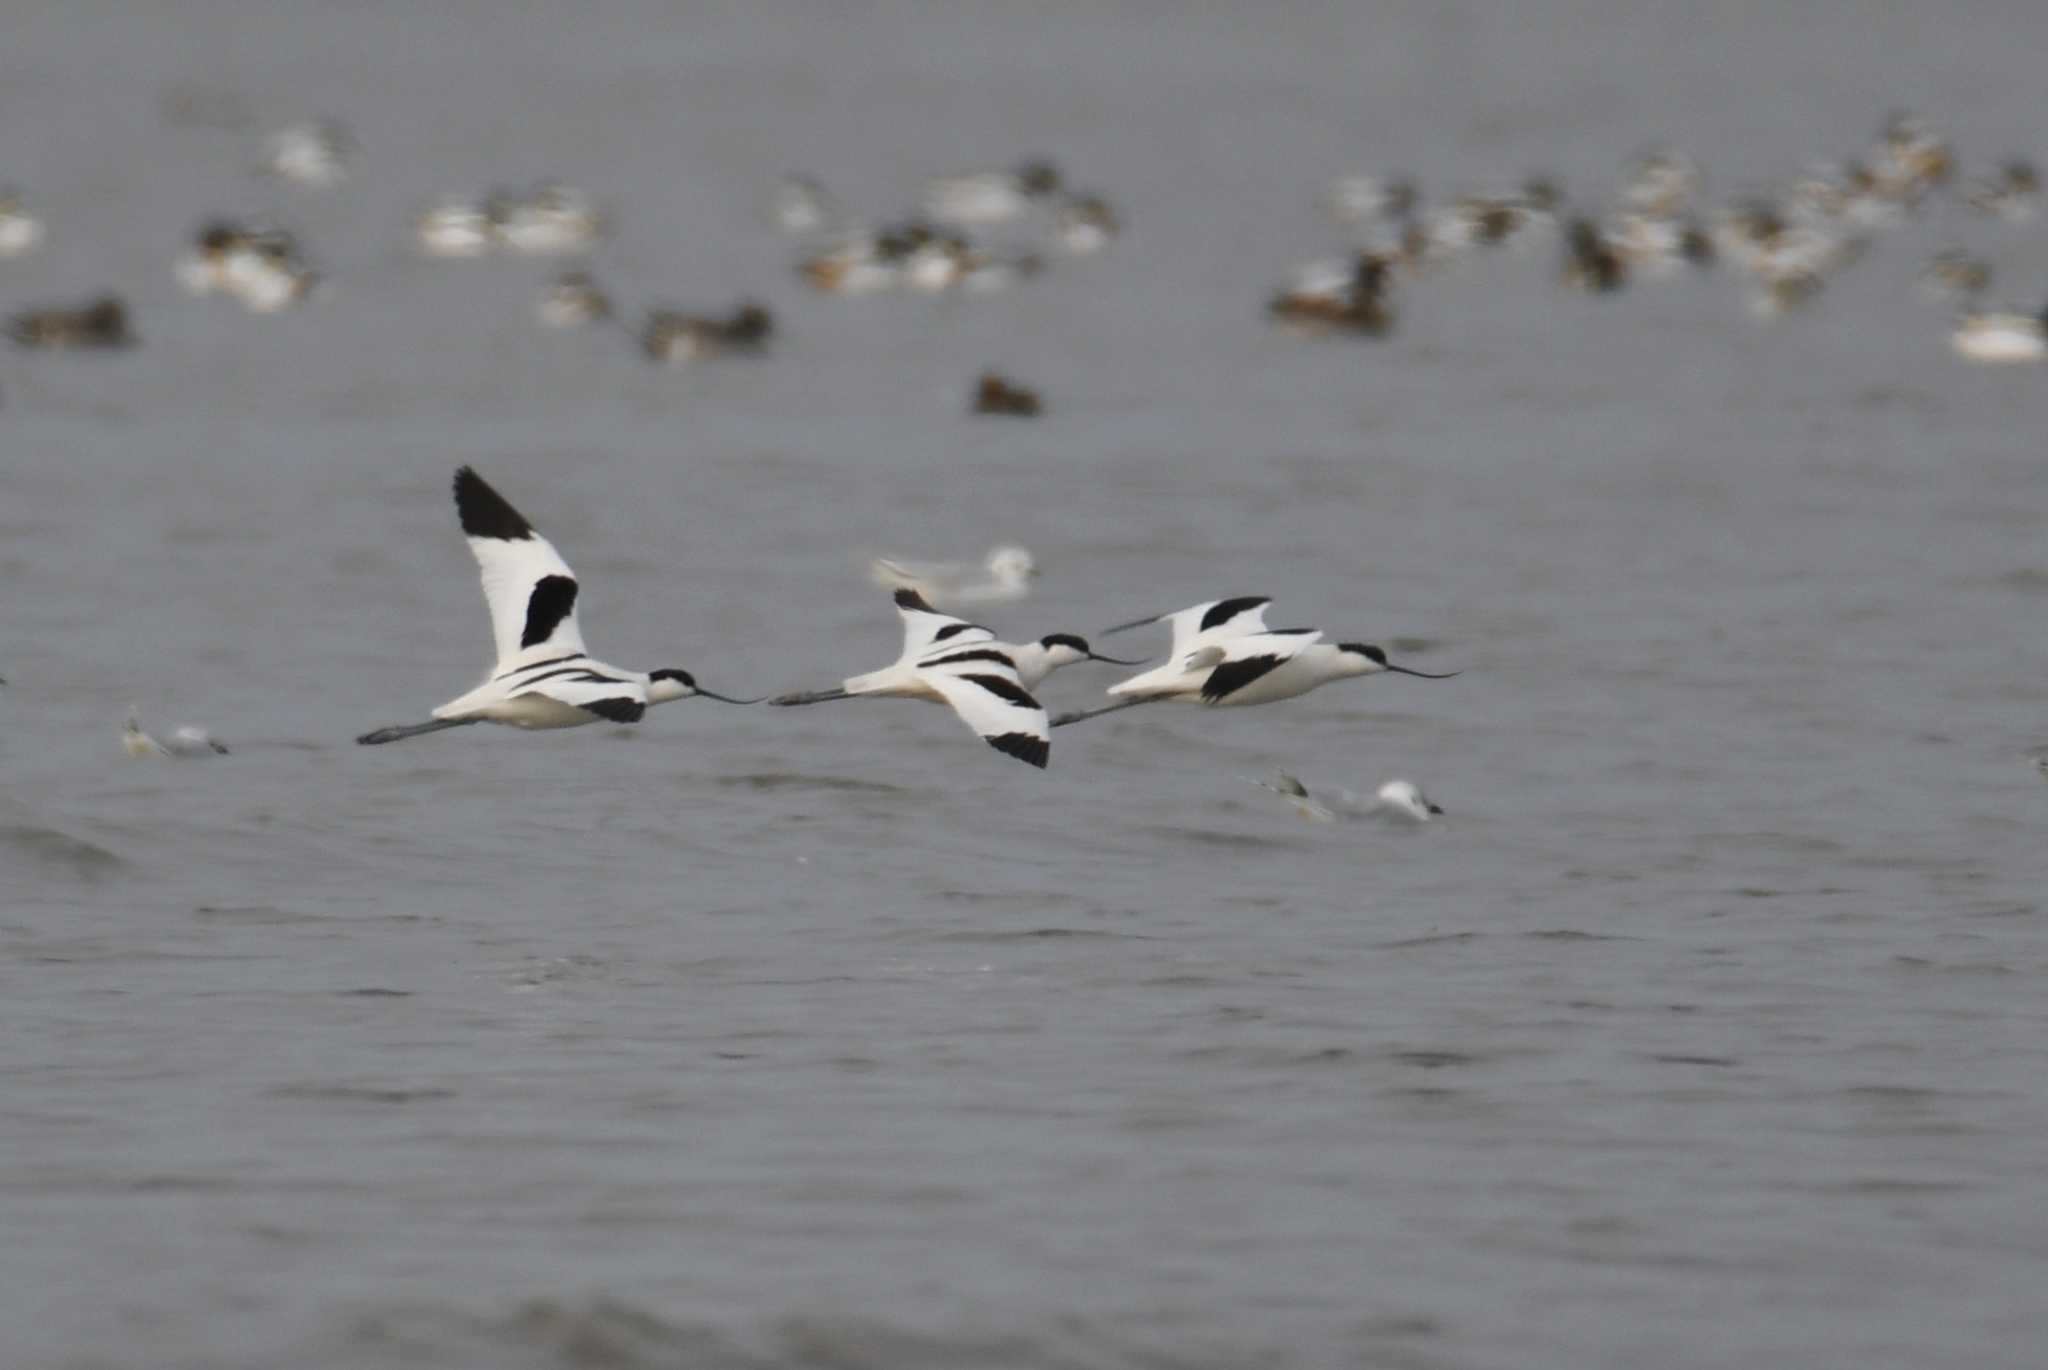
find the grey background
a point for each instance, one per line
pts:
(1705, 1031)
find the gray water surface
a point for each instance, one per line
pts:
(1705, 1030)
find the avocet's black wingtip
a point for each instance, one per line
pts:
(484, 512)
(907, 598)
(1035, 751)
(1223, 610)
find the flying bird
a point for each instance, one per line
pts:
(544, 678)
(1224, 655)
(947, 660)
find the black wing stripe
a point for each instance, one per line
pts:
(954, 630)
(974, 654)
(1007, 690)
(1225, 610)
(617, 710)
(1035, 750)
(553, 599)
(576, 671)
(1232, 676)
(484, 512)
(536, 665)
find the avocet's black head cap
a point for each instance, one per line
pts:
(1079, 644)
(1379, 658)
(680, 677)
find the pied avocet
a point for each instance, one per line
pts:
(1224, 655)
(543, 678)
(950, 661)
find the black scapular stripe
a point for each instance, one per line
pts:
(1225, 610)
(536, 665)
(1008, 690)
(975, 654)
(577, 671)
(1023, 746)
(553, 599)
(484, 512)
(617, 710)
(1233, 676)
(954, 630)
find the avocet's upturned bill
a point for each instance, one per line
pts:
(543, 678)
(1224, 655)
(947, 660)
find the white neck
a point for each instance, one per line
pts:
(663, 690)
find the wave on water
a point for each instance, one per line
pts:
(798, 780)
(604, 1333)
(55, 854)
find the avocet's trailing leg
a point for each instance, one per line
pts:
(946, 660)
(544, 678)
(1223, 654)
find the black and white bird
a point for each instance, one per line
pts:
(947, 660)
(544, 678)
(1224, 655)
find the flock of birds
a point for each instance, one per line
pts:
(1787, 245)
(1222, 654)
(263, 266)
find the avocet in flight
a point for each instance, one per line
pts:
(543, 678)
(950, 661)
(1223, 654)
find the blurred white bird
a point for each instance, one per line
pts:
(312, 155)
(1004, 576)
(2001, 337)
(1399, 800)
(186, 741)
(802, 207)
(20, 231)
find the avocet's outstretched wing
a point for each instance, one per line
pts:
(531, 590)
(982, 687)
(925, 628)
(1214, 621)
(1240, 661)
(1200, 636)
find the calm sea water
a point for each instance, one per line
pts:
(1705, 1030)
